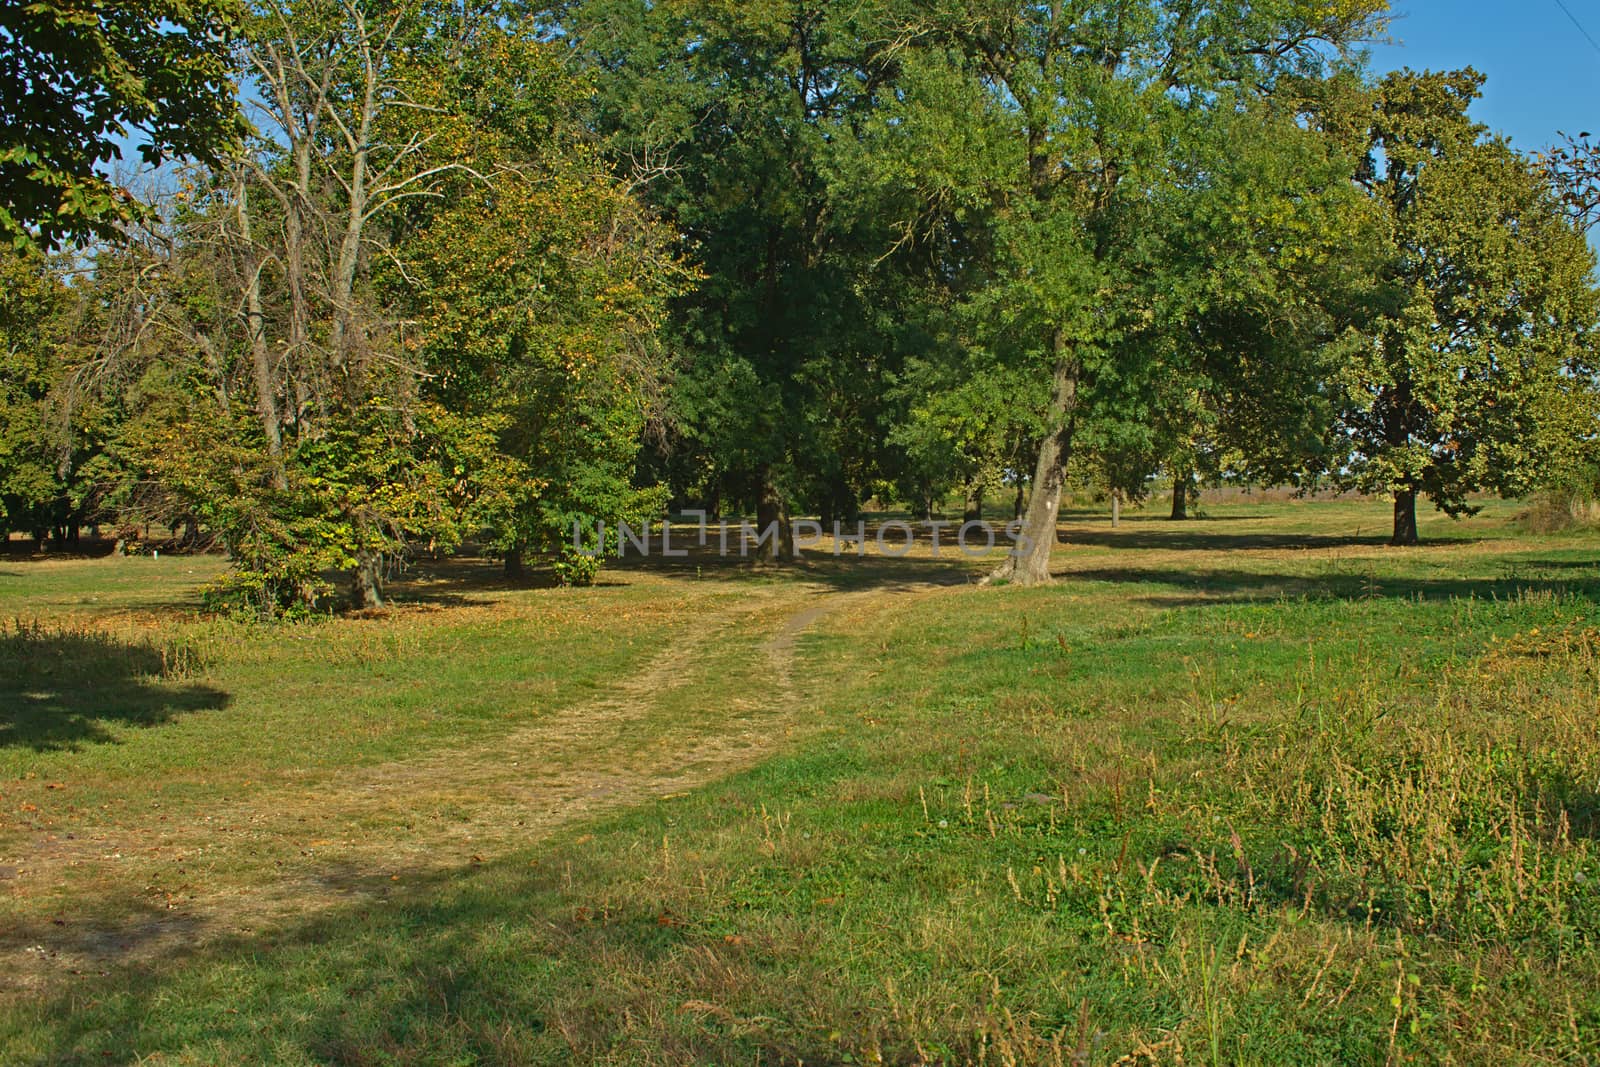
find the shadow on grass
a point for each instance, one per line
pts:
(477, 964)
(1183, 537)
(845, 573)
(1192, 587)
(465, 581)
(67, 688)
(894, 563)
(30, 551)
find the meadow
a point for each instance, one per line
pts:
(1254, 788)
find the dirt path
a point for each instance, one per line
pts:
(301, 848)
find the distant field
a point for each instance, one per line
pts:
(1253, 788)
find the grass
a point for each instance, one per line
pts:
(1253, 789)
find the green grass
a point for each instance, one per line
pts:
(1253, 789)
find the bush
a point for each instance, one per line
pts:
(573, 568)
(265, 594)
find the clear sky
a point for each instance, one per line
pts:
(1544, 74)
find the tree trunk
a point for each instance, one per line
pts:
(1029, 561)
(345, 346)
(1116, 508)
(366, 581)
(1405, 518)
(260, 354)
(840, 503)
(1180, 497)
(514, 567)
(1016, 505)
(771, 509)
(974, 508)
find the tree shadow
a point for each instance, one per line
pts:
(30, 551)
(1186, 537)
(416, 970)
(845, 571)
(1191, 587)
(468, 580)
(63, 689)
(893, 562)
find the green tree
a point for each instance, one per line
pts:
(961, 429)
(85, 76)
(1265, 261)
(1066, 126)
(57, 471)
(732, 115)
(1481, 335)
(417, 304)
(540, 302)
(33, 313)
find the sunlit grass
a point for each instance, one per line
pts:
(1252, 789)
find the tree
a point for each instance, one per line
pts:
(1265, 260)
(738, 112)
(82, 77)
(961, 428)
(418, 305)
(540, 303)
(33, 313)
(1479, 339)
(57, 471)
(1064, 124)
(299, 226)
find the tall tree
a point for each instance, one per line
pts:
(1482, 330)
(737, 110)
(1066, 124)
(83, 77)
(418, 302)
(1266, 255)
(540, 303)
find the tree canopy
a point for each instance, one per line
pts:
(1483, 313)
(430, 273)
(83, 79)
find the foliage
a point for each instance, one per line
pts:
(574, 567)
(82, 78)
(1046, 149)
(1475, 370)
(31, 310)
(730, 118)
(962, 428)
(541, 303)
(56, 471)
(417, 307)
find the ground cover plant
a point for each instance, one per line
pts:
(1256, 788)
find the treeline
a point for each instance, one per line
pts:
(493, 270)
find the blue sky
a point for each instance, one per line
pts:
(1544, 75)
